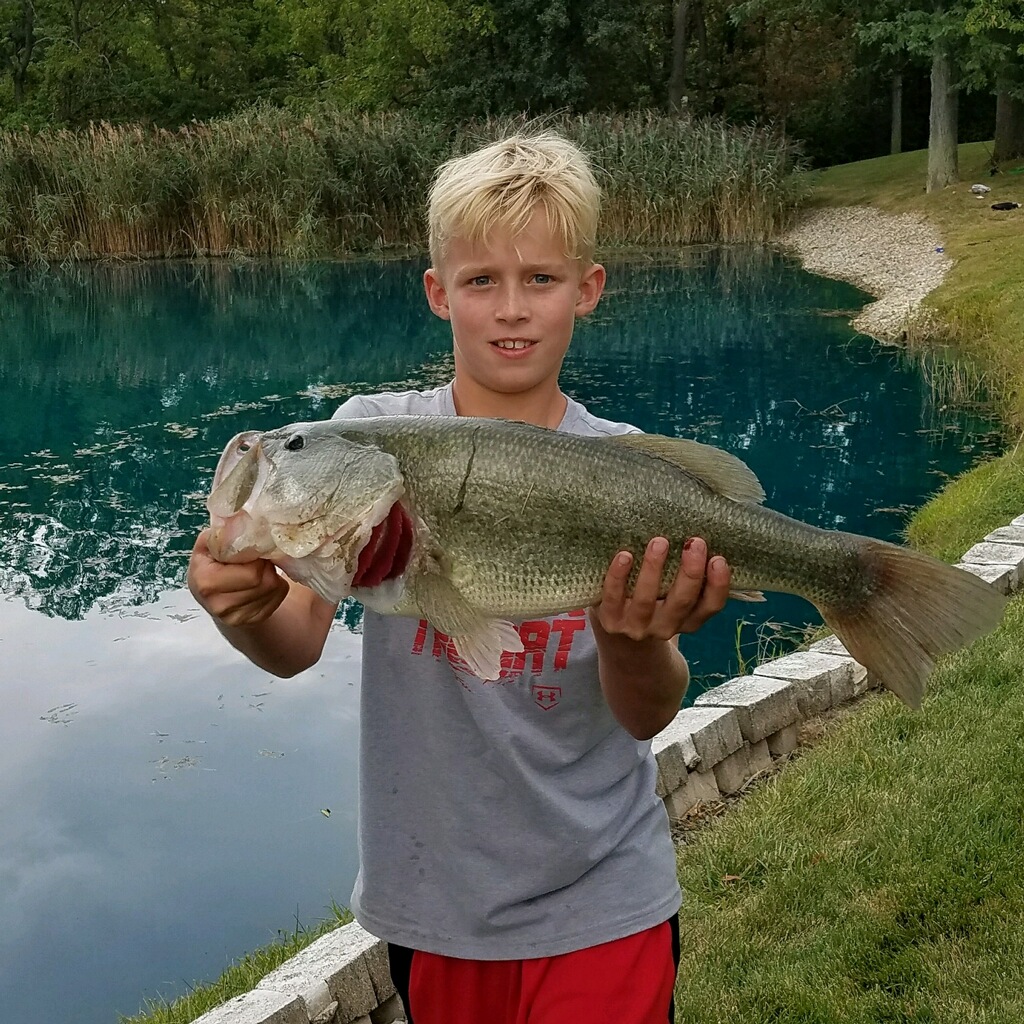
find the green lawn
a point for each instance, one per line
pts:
(880, 877)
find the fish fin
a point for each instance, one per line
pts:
(723, 473)
(920, 609)
(753, 596)
(479, 640)
(482, 649)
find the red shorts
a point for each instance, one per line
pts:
(627, 981)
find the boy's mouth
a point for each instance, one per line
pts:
(513, 345)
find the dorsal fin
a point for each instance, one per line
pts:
(723, 473)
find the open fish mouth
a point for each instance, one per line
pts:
(385, 556)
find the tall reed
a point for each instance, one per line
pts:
(274, 182)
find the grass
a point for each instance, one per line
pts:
(878, 879)
(242, 976)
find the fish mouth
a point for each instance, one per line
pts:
(385, 555)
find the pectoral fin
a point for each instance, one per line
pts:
(480, 641)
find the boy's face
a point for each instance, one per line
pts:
(512, 303)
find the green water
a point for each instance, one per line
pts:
(161, 798)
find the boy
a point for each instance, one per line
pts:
(513, 852)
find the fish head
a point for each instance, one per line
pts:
(307, 499)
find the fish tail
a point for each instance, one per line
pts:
(918, 609)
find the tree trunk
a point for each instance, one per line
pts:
(943, 167)
(896, 132)
(1009, 125)
(24, 40)
(702, 53)
(680, 41)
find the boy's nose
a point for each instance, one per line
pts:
(513, 305)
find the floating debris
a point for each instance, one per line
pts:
(60, 715)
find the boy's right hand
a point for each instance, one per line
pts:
(235, 594)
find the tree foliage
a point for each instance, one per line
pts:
(820, 68)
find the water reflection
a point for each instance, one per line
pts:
(161, 797)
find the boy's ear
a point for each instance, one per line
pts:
(437, 294)
(590, 289)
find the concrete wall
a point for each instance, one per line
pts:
(733, 732)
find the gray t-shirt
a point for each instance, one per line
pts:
(508, 819)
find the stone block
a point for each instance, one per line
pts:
(831, 645)
(337, 967)
(700, 787)
(675, 755)
(260, 1006)
(819, 678)
(390, 1011)
(997, 554)
(1012, 534)
(759, 758)
(1019, 521)
(862, 682)
(1001, 577)
(677, 733)
(763, 706)
(714, 733)
(785, 741)
(733, 771)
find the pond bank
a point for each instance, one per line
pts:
(898, 258)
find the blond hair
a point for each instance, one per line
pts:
(503, 184)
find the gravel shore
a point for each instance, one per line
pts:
(896, 258)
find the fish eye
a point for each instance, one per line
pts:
(295, 443)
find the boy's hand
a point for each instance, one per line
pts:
(700, 590)
(236, 594)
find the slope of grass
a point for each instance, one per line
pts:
(878, 879)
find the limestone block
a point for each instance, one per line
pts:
(714, 733)
(733, 771)
(997, 554)
(1019, 521)
(259, 1006)
(999, 576)
(678, 734)
(763, 706)
(831, 645)
(822, 679)
(760, 758)
(785, 741)
(1013, 534)
(326, 1015)
(337, 967)
(675, 757)
(390, 1011)
(699, 787)
(861, 682)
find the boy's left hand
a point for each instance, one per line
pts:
(700, 590)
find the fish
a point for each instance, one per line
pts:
(474, 523)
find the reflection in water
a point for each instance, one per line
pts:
(139, 754)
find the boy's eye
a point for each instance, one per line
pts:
(480, 279)
(542, 278)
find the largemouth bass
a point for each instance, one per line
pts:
(471, 523)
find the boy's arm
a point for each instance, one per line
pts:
(643, 674)
(278, 625)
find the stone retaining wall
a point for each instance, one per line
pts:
(732, 733)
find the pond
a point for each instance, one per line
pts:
(167, 806)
